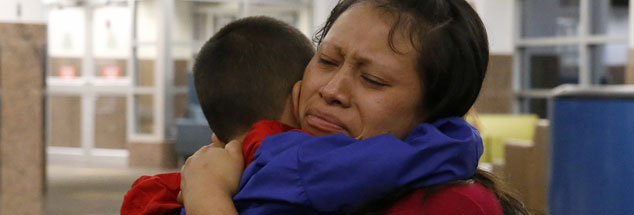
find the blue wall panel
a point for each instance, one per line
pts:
(592, 168)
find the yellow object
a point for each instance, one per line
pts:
(495, 129)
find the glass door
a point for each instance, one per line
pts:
(88, 79)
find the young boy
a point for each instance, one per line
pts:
(266, 186)
(243, 74)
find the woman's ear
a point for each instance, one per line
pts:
(295, 98)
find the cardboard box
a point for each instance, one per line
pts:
(538, 185)
(526, 168)
(517, 171)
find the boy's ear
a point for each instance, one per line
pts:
(295, 98)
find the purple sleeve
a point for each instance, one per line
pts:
(299, 173)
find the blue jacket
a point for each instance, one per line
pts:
(296, 173)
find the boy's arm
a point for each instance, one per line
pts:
(210, 177)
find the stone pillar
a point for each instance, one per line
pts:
(22, 57)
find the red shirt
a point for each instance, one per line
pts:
(153, 195)
(258, 132)
(157, 194)
(472, 199)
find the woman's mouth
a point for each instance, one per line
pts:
(324, 123)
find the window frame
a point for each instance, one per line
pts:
(584, 41)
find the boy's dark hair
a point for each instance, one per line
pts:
(246, 71)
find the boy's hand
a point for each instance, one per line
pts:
(218, 164)
(212, 174)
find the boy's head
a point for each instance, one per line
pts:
(246, 71)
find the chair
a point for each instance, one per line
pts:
(193, 132)
(495, 129)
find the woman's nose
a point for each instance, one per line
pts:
(336, 91)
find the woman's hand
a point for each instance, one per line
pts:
(211, 177)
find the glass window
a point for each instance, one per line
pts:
(183, 35)
(110, 122)
(180, 105)
(295, 14)
(288, 15)
(111, 41)
(549, 67)
(549, 18)
(200, 34)
(182, 63)
(145, 65)
(144, 112)
(219, 20)
(147, 21)
(111, 68)
(610, 17)
(537, 106)
(65, 67)
(111, 31)
(64, 121)
(66, 32)
(608, 63)
(212, 16)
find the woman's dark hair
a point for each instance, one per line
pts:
(452, 46)
(453, 55)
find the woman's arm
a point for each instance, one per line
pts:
(210, 178)
(338, 173)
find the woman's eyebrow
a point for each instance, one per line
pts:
(361, 60)
(328, 45)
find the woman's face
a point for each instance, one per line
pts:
(356, 84)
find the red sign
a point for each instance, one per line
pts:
(110, 72)
(67, 72)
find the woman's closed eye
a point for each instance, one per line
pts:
(326, 62)
(373, 81)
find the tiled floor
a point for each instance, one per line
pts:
(79, 189)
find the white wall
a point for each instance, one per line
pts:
(31, 11)
(498, 18)
(321, 11)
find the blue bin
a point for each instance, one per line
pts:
(592, 169)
